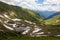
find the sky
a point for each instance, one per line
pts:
(41, 5)
(49, 5)
(40, 1)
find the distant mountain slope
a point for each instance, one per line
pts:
(47, 14)
(19, 12)
(55, 20)
(54, 14)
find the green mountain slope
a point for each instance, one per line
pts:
(53, 21)
(20, 13)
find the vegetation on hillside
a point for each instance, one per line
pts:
(55, 20)
(19, 12)
(9, 12)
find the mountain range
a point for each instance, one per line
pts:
(26, 14)
(48, 14)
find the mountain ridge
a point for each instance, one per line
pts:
(47, 14)
(19, 12)
(57, 13)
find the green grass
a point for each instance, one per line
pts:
(15, 36)
(30, 38)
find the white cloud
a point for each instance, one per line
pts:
(8, 1)
(52, 2)
(29, 4)
(12, 2)
(52, 5)
(49, 5)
